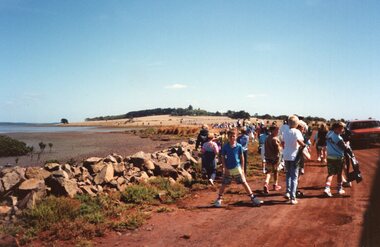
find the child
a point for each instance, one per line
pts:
(232, 159)
(272, 158)
(335, 157)
(292, 139)
(243, 140)
(320, 142)
(209, 152)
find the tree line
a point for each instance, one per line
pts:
(190, 111)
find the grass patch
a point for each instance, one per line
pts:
(139, 194)
(169, 192)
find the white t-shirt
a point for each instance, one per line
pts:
(284, 128)
(291, 146)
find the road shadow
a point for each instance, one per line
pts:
(371, 230)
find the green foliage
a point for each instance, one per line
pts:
(12, 147)
(172, 192)
(133, 221)
(139, 194)
(51, 210)
(64, 121)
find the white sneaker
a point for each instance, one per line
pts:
(294, 201)
(211, 181)
(341, 192)
(218, 203)
(319, 159)
(328, 192)
(256, 201)
(287, 195)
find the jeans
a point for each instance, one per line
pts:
(209, 164)
(292, 171)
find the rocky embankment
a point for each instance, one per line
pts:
(22, 188)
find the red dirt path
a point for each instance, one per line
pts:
(315, 221)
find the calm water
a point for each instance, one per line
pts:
(36, 128)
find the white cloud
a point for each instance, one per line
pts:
(253, 96)
(176, 86)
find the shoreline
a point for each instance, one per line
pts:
(81, 145)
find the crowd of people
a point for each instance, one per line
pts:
(281, 148)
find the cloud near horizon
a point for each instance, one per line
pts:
(176, 86)
(253, 96)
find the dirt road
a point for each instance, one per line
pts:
(350, 220)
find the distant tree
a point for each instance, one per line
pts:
(217, 113)
(190, 108)
(42, 146)
(50, 146)
(64, 121)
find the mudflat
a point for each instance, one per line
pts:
(81, 145)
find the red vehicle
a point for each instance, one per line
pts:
(364, 132)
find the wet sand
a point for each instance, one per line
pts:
(81, 145)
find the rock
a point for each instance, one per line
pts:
(148, 164)
(62, 186)
(111, 159)
(119, 168)
(141, 177)
(165, 170)
(5, 210)
(88, 189)
(60, 173)
(139, 158)
(31, 198)
(92, 160)
(32, 184)
(10, 179)
(37, 173)
(14, 200)
(118, 157)
(52, 166)
(105, 175)
(68, 169)
(8, 241)
(189, 157)
(185, 174)
(121, 180)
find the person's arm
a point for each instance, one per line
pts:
(226, 172)
(242, 159)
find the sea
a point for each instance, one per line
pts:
(48, 128)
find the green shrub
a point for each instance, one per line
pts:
(12, 147)
(139, 194)
(51, 210)
(133, 221)
(171, 192)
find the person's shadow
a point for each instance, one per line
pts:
(371, 231)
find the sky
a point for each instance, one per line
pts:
(79, 59)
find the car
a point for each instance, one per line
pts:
(364, 132)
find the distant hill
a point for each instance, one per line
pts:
(190, 111)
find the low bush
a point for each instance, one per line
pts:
(11, 147)
(139, 194)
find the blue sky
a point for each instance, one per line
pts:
(78, 59)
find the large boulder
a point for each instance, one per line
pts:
(95, 168)
(37, 173)
(119, 168)
(110, 159)
(105, 175)
(32, 184)
(61, 186)
(165, 170)
(139, 159)
(10, 180)
(89, 189)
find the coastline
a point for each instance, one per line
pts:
(80, 145)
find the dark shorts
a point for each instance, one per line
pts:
(334, 166)
(272, 165)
